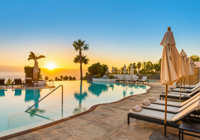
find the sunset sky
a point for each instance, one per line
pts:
(118, 31)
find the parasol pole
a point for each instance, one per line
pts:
(165, 110)
(180, 88)
(189, 81)
(184, 84)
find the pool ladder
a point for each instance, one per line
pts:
(46, 96)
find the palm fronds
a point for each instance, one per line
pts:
(85, 60)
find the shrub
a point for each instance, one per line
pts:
(29, 72)
(10, 81)
(111, 77)
(74, 78)
(97, 68)
(65, 78)
(98, 76)
(70, 78)
(46, 78)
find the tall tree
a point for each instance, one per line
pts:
(195, 57)
(156, 68)
(139, 66)
(80, 46)
(144, 65)
(85, 60)
(134, 66)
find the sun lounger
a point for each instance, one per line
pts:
(177, 96)
(171, 109)
(2, 82)
(187, 86)
(144, 79)
(17, 81)
(29, 82)
(134, 79)
(175, 104)
(187, 90)
(158, 116)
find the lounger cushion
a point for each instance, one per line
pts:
(162, 108)
(154, 114)
(146, 102)
(162, 102)
(137, 108)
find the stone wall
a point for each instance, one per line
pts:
(194, 79)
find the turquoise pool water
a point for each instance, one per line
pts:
(153, 80)
(77, 98)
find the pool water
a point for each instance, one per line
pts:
(152, 80)
(77, 97)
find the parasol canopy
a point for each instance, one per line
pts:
(170, 65)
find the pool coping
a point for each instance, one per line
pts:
(67, 118)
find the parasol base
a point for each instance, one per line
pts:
(158, 135)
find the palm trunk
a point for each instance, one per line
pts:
(80, 57)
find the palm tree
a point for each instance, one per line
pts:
(156, 67)
(79, 46)
(144, 65)
(84, 59)
(33, 56)
(61, 77)
(139, 66)
(134, 66)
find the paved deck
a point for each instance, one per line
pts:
(106, 122)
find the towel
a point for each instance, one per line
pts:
(152, 99)
(146, 103)
(137, 108)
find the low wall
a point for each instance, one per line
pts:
(156, 76)
(194, 79)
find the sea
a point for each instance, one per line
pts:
(21, 75)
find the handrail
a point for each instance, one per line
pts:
(46, 96)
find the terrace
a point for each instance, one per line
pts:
(106, 121)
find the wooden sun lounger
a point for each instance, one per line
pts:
(177, 96)
(175, 104)
(17, 81)
(158, 116)
(2, 82)
(170, 109)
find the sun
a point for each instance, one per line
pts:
(50, 66)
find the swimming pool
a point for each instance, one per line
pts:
(77, 97)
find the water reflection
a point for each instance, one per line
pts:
(98, 88)
(2, 92)
(32, 95)
(80, 96)
(18, 92)
(125, 87)
(131, 86)
(142, 86)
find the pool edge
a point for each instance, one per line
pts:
(67, 118)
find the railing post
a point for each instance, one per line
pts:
(46, 96)
(62, 101)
